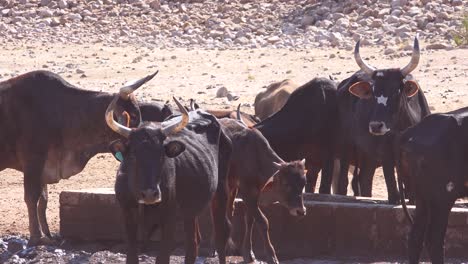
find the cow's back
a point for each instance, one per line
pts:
(274, 98)
(197, 168)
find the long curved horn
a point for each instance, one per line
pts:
(414, 59)
(366, 68)
(175, 128)
(133, 85)
(239, 115)
(192, 104)
(116, 127)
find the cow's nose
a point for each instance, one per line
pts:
(150, 196)
(377, 128)
(301, 211)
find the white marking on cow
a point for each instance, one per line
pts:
(382, 100)
(380, 74)
(450, 186)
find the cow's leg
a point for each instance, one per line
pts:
(418, 230)
(32, 192)
(221, 221)
(167, 236)
(247, 252)
(191, 239)
(439, 214)
(389, 175)
(131, 230)
(366, 175)
(327, 174)
(262, 222)
(343, 176)
(355, 181)
(41, 211)
(311, 176)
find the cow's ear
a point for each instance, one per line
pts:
(118, 148)
(362, 90)
(411, 88)
(174, 148)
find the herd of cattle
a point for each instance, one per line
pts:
(187, 159)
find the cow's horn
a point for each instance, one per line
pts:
(192, 104)
(414, 59)
(116, 127)
(133, 85)
(175, 128)
(239, 117)
(366, 68)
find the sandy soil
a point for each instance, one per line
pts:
(193, 74)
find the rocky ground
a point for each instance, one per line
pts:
(200, 48)
(232, 24)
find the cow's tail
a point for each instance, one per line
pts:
(397, 155)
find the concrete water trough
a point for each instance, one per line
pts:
(334, 225)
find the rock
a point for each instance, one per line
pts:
(79, 71)
(343, 22)
(222, 92)
(336, 38)
(62, 4)
(45, 13)
(389, 51)
(5, 12)
(398, 3)
(155, 4)
(392, 19)
(377, 23)
(45, 2)
(307, 20)
(438, 46)
(72, 17)
(273, 39)
(16, 244)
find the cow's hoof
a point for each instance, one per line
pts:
(273, 260)
(44, 241)
(249, 257)
(394, 200)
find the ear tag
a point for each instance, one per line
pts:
(119, 156)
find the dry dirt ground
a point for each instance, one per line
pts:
(193, 74)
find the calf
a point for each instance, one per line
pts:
(180, 163)
(432, 159)
(255, 166)
(274, 98)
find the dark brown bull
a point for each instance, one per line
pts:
(375, 104)
(180, 163)
(255, 166)
(50, 130)
(432, 162)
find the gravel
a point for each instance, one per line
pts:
(230, 24)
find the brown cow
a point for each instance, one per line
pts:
(272, 100)
(255, 166)
(50, 130)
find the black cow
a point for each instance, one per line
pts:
(50, 130)
(305, 128)
(374, 104)
(432, 159)
(180, 163)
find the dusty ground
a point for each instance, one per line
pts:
(193, 74)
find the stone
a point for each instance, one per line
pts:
(45, 2)
(155, 5)
(389, 51)
(438, 46)
(307, 20)
(15, 245)
(398, 3)
(62, 4)
(377, 23)
(273, 39)
(45, 13)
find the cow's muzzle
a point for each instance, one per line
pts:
(378, 128)
(150, 196)
(298, 211)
